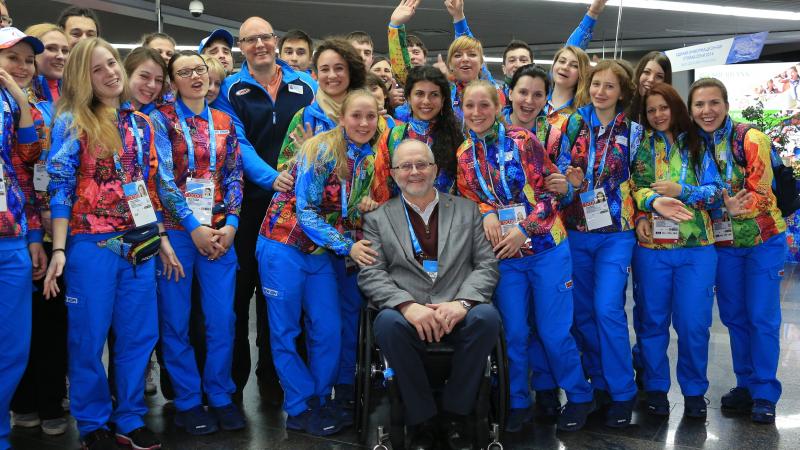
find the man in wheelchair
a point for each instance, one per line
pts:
(432, 281)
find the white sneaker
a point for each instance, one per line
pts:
(150, 387)
(28, 420)
(54, 427)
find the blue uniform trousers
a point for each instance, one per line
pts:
(216, 280)
(15, 323)
(540, 282)
(350, 303)
(600, 268)
(675, 285)
(105, 291)
(749, 281)
(295, 282)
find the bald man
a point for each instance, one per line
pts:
(265, 95)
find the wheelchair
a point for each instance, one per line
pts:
(374, 375)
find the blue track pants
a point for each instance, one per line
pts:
(295, 282)
(749, 282)
(216, 280)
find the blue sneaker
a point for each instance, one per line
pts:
(657, 403)
(619, 413)
(196, 421)
(573, 415)
(763, 411)
(694, 406)
(230, 417)
(316, 420)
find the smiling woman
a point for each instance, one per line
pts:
(147, 74)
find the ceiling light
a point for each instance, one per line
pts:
(698, 8)
(177, 47)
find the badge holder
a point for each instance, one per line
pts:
(596, 209)
(665, 231)
(139, 203)
(723, 228)
(3, 191)
(200, 199)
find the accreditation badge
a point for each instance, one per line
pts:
(200, 199)
(40, 177)
(139, 203)
(665, 231)
(723, 228)
(431, 267)
(596, 209)
(510, 216)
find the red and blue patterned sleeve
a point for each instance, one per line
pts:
(171, 197)
(537, 166)
(232, 179)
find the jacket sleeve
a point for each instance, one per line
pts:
(398, 53)
(288, 148)
(380, 181)
(256, 169)
(582, 35)
(758, 173)
(479, 285)
(374, 280)
(152, 173)
(707, 194)
(232, 179)
(537, 166)
(569, 134)
(62, 166)
(642, 176)
(309, 187)
(171, 197)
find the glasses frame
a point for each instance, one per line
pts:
(415, 165)
(193, 70)
(253, 40)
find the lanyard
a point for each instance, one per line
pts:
(414, 240)
(345, 199)
(593, 153)
(410, 127)
(501, 154)
(212, 141)
(139, 153)
(684, 157)
(550, 108)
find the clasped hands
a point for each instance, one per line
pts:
(432, 321)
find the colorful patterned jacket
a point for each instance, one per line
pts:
(549, 136)
(86, 189)
(611, 169)
(657, 160)
(312, 217)
(384, 186)
(744, 153)
(173, 164)
(19, 148)
(525, 166)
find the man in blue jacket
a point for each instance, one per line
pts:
(262, 98)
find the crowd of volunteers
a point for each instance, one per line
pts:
(145, 201)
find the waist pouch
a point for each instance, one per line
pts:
(137, 245)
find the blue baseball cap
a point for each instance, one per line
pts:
(219, 33)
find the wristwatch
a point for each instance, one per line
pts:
(467, 305)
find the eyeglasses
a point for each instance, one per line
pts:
(252, 40)
(186, 73)
(421, 166)
(6, 21)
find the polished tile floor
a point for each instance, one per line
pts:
(719, 431)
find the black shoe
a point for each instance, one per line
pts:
(547, 404)
(694, 406)
(517, 418)
(423, 436)
(602, 399)
(763, 411)
(101, 439)
(657, 403)
(139, 439)
(738, 400)
(456, 436)
(619, 414)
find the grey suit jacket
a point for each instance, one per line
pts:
(467, 265)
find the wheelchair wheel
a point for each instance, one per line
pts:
(501, 393)
(363, 376)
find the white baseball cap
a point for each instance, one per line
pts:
(10, 36)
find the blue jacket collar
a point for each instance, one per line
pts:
(188, 112)
(720, 134)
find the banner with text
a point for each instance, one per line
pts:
(746, 47)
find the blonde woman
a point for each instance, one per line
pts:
(102, 152)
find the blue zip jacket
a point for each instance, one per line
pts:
(263, 120)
